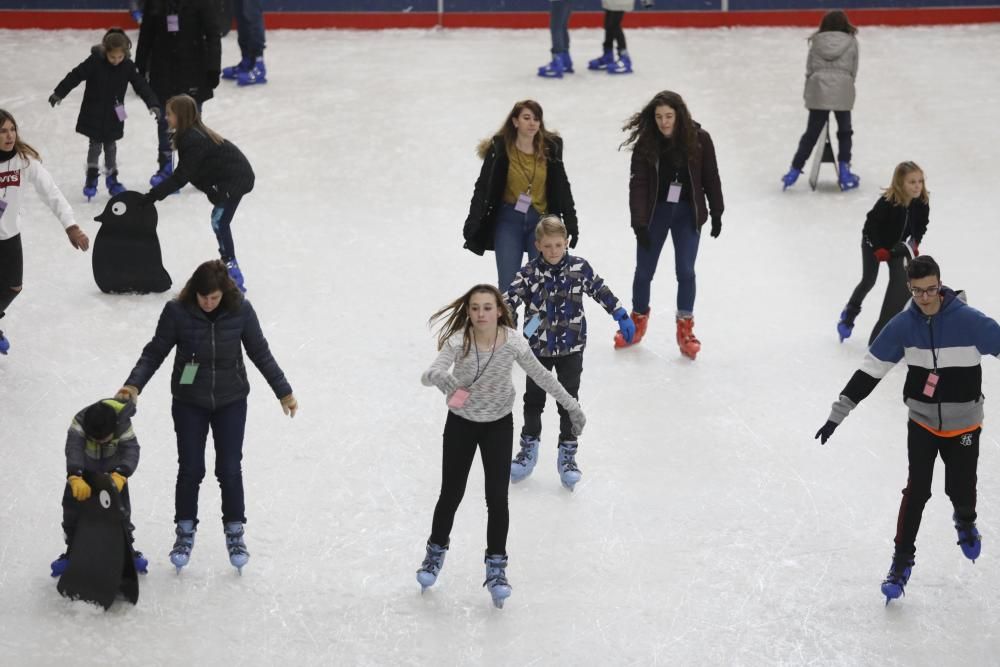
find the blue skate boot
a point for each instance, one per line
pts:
(234, 272)
(569, 474)
(256, 74)
(621, 66)
(59, 565)
(554, 70)
(496, 579)
(233, 73)
(238, 554)
(431, 567)
(90, 184)
(606, 60)
(140, 562)
(180, 555)
(111, 181)
(845, 179)
(899, 573)
(968, 538)
(4, 344)
(164, 172)
(524, 462)
(788, 180)
(846, 324)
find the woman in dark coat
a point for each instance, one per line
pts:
(522, 179)
(673, 175)
(213, 165)
(107, 73)
(180, 51)
(209, 323)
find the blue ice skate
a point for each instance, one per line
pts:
(238, 554)
(180, 555)
(256, 74)
(163, 173)
(60, 564)
(968, 538)
(496, 579)
(569, 474)
(111, 182)
(4, 344)
(621, 66)
(233, 269)
(524, 462)
(788, 180)
(845, 179)
(606, 60)
(233, 73)
(431, 567)
(90, 184)
(899, 573)
(846, 323)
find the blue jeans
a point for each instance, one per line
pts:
(559, 12)
(817, 119)
(515, 235)
(191, 424)
(677, 220)
(222, 218)
(249, 27)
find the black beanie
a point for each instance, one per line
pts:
(99, 421)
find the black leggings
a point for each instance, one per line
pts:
(568, 370)
(817, 119)
(896, 293)
(613, 30)
(495, 441)
(11, 270)
(961, 457)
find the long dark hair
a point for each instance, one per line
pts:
(20, 147)
(509, 132)
(455, 316)
(644, 136)
(836, 21)
(207, 278)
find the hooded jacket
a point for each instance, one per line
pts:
(221, 171)
(948, 344)
(120, 454)
(831, 68)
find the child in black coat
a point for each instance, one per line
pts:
(107, 73)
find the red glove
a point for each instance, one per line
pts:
(882, 255)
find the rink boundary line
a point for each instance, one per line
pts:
(57, 19)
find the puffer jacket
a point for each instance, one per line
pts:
(217, 347)
(888, 224)
(221, 171)
(120, 454)
(480, 226)
(554, 293)
(831, 68)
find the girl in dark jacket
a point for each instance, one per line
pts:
(180, 50)
(673, 173)
(213, 165)
(893, 230)
(107, 73)
(209, 323)
(523, 178)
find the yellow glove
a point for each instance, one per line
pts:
(128, 393)
(119, 480)
(79, 488)
(289, 405)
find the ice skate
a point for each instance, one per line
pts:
(238, 554)
(4, 344)
(431, 567)
(788, 180)
(569, 474)
(233, 73)
(845, 179)
(163, 173)
(641, 322)
(686, 340)
(90, 184)
(255, 75)
(234, 272)
(606, 60)
(621, 66)
(899, 573)
(496, 579)
(968, 538)
(111, 182)
(180, 555)
(846, 324)
(524, 462)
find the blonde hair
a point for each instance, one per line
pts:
(896, 193)
(185, 110)
(455, 316)
(550, 225)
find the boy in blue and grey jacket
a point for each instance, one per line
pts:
(942, 339)
(551, 287)
(100, 440)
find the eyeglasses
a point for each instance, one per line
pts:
(930, 291)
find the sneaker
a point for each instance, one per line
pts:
(569, 474)
(180, 555)
(899, 574)
(433, 562)
(524, 462)
(968, 538)
(238, 554)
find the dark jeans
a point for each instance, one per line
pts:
(613, 30)
(191, 424)
(817, 119)
(559, 11)
(568, 370)
(495, 441)
(678, 221)
(250, 27)
(960, 455)
(11, 270)
(71, 514)
(110, 149)
(515, 235)
(222, 218)
(896, 293)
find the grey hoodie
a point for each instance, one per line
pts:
(831, 68)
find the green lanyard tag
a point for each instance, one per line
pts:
(190, 370)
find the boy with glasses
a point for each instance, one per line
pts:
(942, 340)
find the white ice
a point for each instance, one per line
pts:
(709, 528)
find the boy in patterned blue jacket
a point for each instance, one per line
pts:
(551, 287)
(942, 340)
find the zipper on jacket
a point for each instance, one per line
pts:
(694, 199)
(213, 365)
(656, 191)
(930, 328)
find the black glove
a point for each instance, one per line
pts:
(716, 227)
(147, 199)
(642, 236)
(156, 113)
(824, 433)
(573, 238)
(212, 80)
(54, 100)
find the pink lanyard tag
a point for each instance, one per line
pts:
(932, 380)
(173, 23)
(523, 202)
(120, 112)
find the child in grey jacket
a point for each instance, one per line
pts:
(831, 68)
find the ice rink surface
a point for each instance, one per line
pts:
(709, 528)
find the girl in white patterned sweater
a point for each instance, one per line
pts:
(478, 347)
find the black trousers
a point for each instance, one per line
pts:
(817, 119)
(11, 270)
(896, 294)
(961, 457)
(71, 514)
(568, 369)
(613, 30)
(495, 441)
